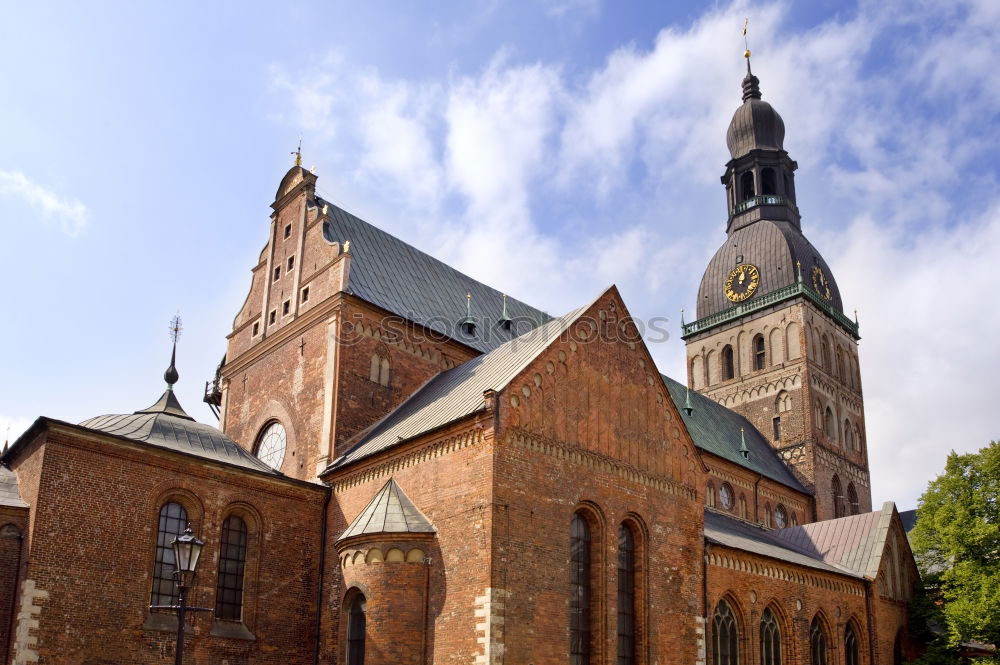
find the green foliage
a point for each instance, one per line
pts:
(956, 542)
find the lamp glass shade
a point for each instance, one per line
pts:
(187, 551)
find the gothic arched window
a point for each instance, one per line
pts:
(378, 370)
(579, 600)
(841, 374)
(173, 520)
(725, 636)
(780, 517)
(852, 498)
(829, 427)
(825, 351)
(852, 651)
(356, 630)
(783, 402)
(626, 595)
(838, 497)
(817, 643)
(728, 363)
(770, 639)
(848, 434)
(759, 355)
(232, 564)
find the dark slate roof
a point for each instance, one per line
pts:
(855, 542)
(397, 277)
(389, 511)
(737, 534)
(716, 429)
(166, 425)
(772, 246)
(10, 496)
(457, 392)
(755, 125)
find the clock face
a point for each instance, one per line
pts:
(742, 282)
(820, 285)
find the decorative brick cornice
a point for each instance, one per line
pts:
(722, 557)
(598, 462)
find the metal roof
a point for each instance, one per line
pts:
(855, 542)
(716, 429)
(389, 511)
(457, 392)
(165, 424)
(399, 278)
(737, 534)
(10, 496)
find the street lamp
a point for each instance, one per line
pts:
(187, 551)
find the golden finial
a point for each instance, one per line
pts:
(746, 44)
(347, 247)
(298, 152)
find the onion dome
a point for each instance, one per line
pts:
(755, 125)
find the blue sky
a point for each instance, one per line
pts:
(548, 148)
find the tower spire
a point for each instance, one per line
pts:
(298, 152)
(171, 376)
(751, 84)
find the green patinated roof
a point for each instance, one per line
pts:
(716, 429)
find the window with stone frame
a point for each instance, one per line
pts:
(728, 363)
(172, 522)
(852, 650)
(759, 353)
(838, 497)
(852, 499)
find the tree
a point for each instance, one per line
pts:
(956, 542)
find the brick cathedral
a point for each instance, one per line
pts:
(412, 468)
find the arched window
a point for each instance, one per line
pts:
(783, 402)
(726, 496)
(825, 350)
(746, 186)
(356, 630)
(770, 639)
(725, 636)
(767, 514)
(383, 371)
(841, 374)
(780, 517)
(232, 563)
(852, 498)
(743, 507)
(373, 368)
(173, 520)
(852, 651)
(768, 182)
(838, 497)
(271, 443)
(626, 595)
(759, 355)
(848, 435)
(710, 495)
(817, 643)
(829, 427)
(579, 599)
(728, 366)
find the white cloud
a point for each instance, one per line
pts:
(71, 214)
(550, 185)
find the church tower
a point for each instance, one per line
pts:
(771, 340)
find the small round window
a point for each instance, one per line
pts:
(780, 517)
(271, 445)
(726, 496)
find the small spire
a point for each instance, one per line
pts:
(856, 318)
(171, 376)
(688, 409)
(505, 320)
(469, 323)
(751, 84)
(798, 272)
(743, 445)
(298, 152)
(682, 317)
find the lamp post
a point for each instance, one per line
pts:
(187, 551)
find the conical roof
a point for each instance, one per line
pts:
(389, 511)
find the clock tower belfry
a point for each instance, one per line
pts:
(771, 340)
